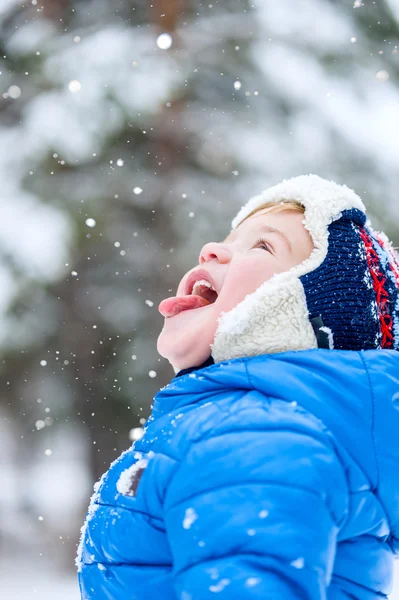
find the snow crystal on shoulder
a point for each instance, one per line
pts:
(252, 581)
(298, 563)
(219, 587)
(189, 518)
(124, 483)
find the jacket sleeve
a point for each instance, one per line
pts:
(254, 508)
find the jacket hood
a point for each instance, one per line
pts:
(354, 394)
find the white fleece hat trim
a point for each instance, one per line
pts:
(275, 317)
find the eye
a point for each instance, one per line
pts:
(264, 244)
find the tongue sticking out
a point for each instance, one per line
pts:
(173, 306)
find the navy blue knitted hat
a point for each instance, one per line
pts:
(344, 296)
(355, 291)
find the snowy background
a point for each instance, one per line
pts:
(131, 133)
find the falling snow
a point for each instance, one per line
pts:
(382, 76)
(74, 86)
(192, 114)
(136, 434)
(14, 91)
(164, 41)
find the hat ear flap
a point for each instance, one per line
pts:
(340, 291)
(324, 335)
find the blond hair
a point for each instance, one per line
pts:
(277, 207)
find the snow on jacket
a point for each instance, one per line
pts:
(275, 476)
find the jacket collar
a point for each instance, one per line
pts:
(209, 361)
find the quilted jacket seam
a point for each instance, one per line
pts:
(131, 510)
(126, 564)
(320, 439)
(372, 422)
(274, 557)
(269, 483)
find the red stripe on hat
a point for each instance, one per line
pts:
(393, 256)
(382, 296)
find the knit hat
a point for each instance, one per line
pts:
(344, 296)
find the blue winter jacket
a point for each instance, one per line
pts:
(270, 477)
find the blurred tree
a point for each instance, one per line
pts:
(124, 157)
(131, 134)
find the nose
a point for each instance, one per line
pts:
(215, 250)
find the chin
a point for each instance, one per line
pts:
(167, 346)
(185, 340)
(163, 347)
(182, 355)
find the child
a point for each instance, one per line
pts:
(265, 472)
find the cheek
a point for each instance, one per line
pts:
(245, 279)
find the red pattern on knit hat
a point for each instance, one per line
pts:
(393, 256)
(382, 296)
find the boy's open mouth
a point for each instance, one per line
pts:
(202, 294)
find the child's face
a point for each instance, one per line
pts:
(238, 266)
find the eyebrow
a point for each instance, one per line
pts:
(268, 229)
